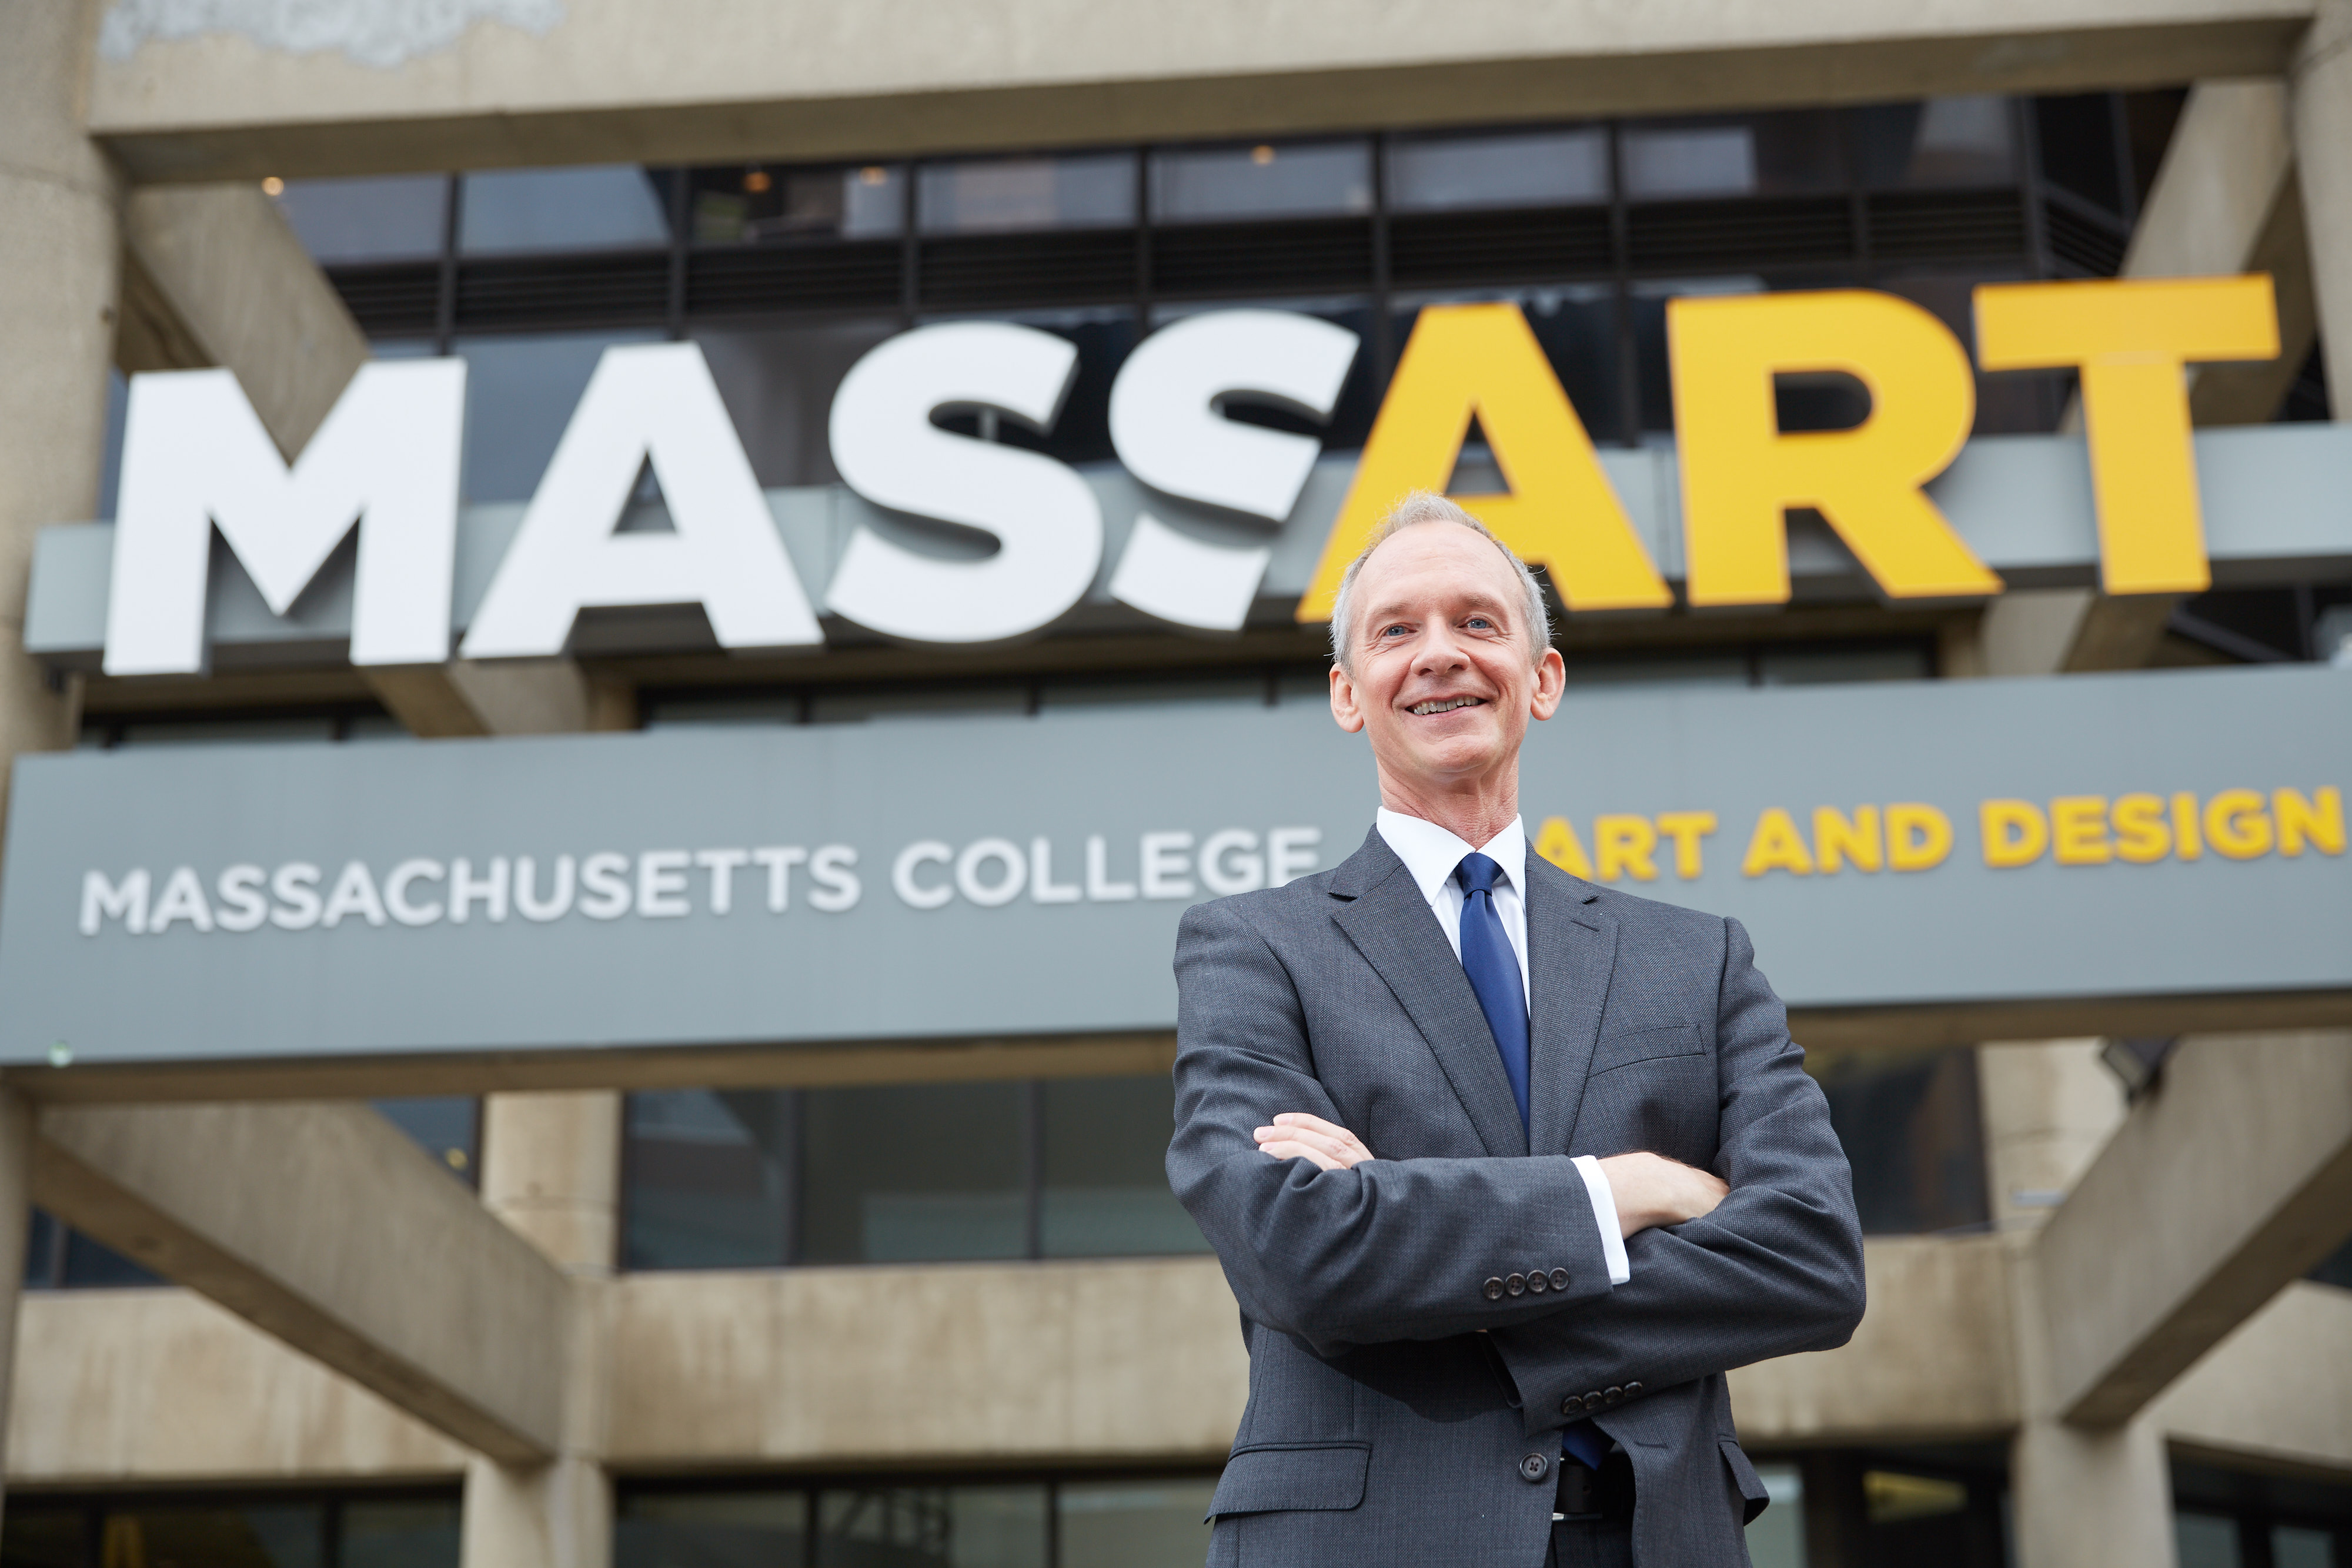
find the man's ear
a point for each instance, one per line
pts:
(1344, 711)
(1551, 681)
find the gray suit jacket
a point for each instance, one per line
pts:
(1405, 1408)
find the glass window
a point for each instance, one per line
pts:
(1912, 1136)
(32, 1536)
(1649, 311)
(985, 196)
(1942, 141)
(283, 1535)
(768, 203)
(2206, 1540)
(1776, 1538)
(2291, 1547)
(399, 1533)
(1517, 169)
(519, 394)
(1133, 1524)
(1784, 153)
(712, 1530)
(2076, 136)
(58, 1257)
(778, 384)
(709, 1178)
(940, 1527)
(600, 208)
(1287, 180)
(110, 462)
(2335, 1268)
(757, 708)
(397, 218)
(1105, 1181)
(914, 1173)
(227, 732)
(1359, 394)
(1081, 431)
(1709, 669)
(447, 1127)
(1228, 689)
(1576, 325)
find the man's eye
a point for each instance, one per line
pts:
(1480, 623)
(1392, 632)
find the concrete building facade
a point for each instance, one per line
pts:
(360, 1232)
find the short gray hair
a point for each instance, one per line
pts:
(1411, 510)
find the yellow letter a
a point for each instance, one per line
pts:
(1562, 515)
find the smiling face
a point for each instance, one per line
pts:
(1440, 674)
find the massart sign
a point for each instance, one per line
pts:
(387, 463)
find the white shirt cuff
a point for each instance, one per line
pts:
(1605, 1214)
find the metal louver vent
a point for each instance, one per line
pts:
(1302, 255)
(549, 291)
(860, 275)
(1071, 268)
(1537, 247)
(2081, 240)
(391, 300)
(1707, 237)
(1926, 225)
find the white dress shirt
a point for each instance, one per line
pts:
(1430, 854)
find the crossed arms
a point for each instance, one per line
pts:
(1344, 1251)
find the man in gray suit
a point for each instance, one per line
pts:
(1506, 1169)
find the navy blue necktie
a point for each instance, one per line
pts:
(1494, 969)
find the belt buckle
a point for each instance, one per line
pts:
(1577, 1496)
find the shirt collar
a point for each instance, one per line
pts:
(1430, 852)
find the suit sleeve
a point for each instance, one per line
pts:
(1392, 1250)
(1776, 1268)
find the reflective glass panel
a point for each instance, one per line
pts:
(396, 217)
(1270, 180)
(227, 732)
(1081, 431)
(913, 1173)
(2206, 1540)
(917, 1527)
(712, 1530)
(1241, 690)
(1776, 1538)
(778, 384)
(289, 1535)
(1106, 1191)
(916, 701)
(1819, 667)
(1940, 141)
(1133, 1524)
(709, 1178)
(1787, 151)
(1576, 325)
(519, 394)
(988, 195)
(32, 1536)
(2294, 1548)
(445, 1126)
(399, 1533)
(1913, 1134)
(1517, 169)
(1717, 669)
(596, 207)
(765, 204)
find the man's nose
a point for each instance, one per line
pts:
(1437, 651)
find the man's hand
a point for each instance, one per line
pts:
(1652, 1189)
(1297, 1136)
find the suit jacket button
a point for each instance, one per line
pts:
(1534, 1467)
(1492, 1290)
(1633, 1391)
(1559, 1279)
(1536, 1282)
(1593, 1402)
(1572, 1407)
(1517, 1284)
(1612, 1395)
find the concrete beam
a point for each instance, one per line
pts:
(607, 80)
(164, 1387)
(214, 275)
(2229, 1182)
(2271, 1396)
(324, 1226)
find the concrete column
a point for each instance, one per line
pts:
(552, 1169)
(2092, 1499)
(2049, 1108)
(2320, 93)
(59, 259)
(15, 1217)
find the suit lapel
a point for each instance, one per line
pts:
(1571, 948)
(1393, 926)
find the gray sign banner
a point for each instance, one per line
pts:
(2176, 834)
